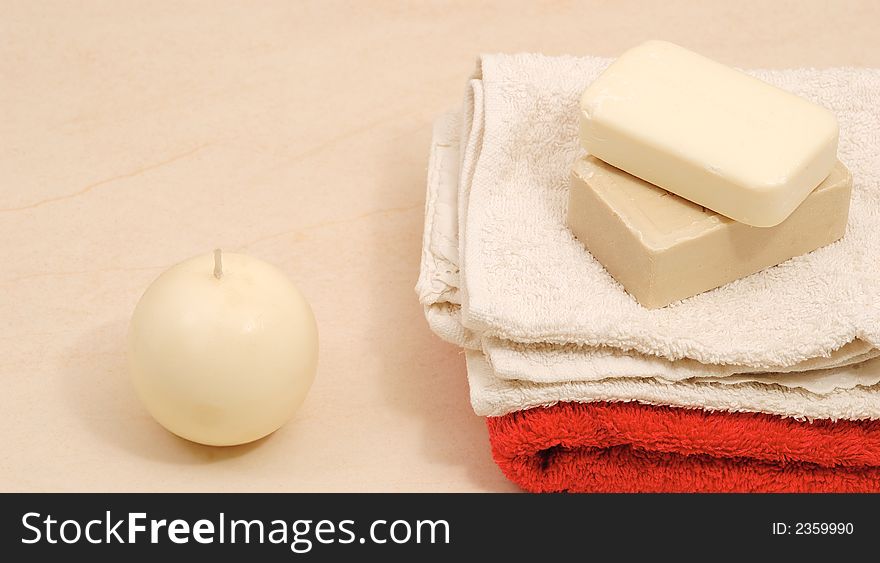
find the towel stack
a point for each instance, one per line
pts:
(769, 383)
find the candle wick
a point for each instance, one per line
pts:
(218, 264)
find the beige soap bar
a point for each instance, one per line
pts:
(663, 248)
(709, 133)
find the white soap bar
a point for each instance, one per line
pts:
(709, 133)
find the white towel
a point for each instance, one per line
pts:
(524, 277)
(547, 362)
(448, 305)
(492, 396)
(532, 376)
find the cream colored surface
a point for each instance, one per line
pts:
(135, 135)
(222, 349)
(711, 134)
(663, 248)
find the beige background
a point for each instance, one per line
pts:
(136, 134)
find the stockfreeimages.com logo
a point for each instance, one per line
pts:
(300, 535)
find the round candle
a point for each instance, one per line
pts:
(222, 349)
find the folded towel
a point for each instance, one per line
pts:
(494, 396)
(499, 260)
(555, 363)
(510, 376)
(630, 447)
(637, 400)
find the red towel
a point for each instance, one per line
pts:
(631, 447)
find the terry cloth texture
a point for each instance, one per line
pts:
(630, 447)
(493, 396)
(522, 276)
(522, 207)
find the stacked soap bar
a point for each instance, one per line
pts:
(699, 174)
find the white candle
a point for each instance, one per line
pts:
(222, 349)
